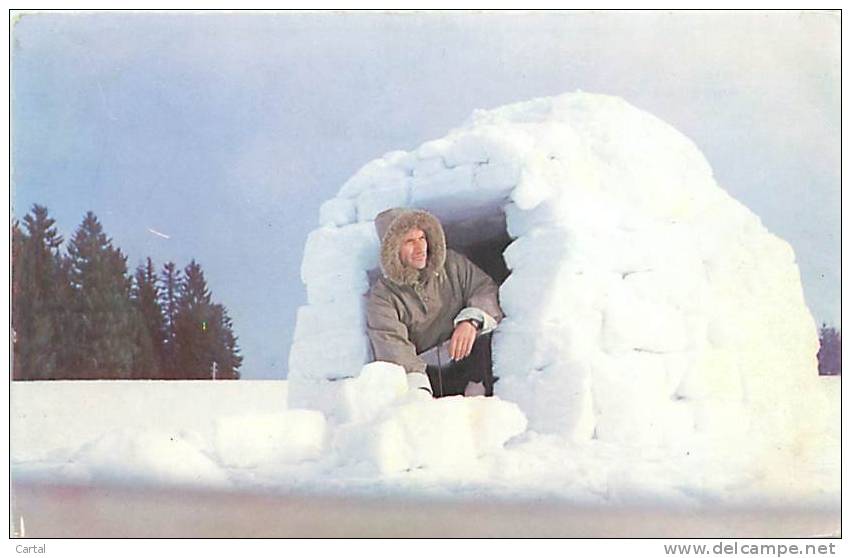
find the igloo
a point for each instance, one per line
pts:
(644, 305)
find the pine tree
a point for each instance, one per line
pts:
(227, 355)
(19, 371)
(82, 317)
(169, 298)
(18, 302)
(36, 297)
(151, 335)
(105, 323)
(204, 334)
(192, 326)
(830, 351)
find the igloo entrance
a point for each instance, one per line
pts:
(479, 234)
(483, 240)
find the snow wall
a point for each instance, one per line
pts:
(644, 305)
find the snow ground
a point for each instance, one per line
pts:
(240, 435)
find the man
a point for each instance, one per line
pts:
(432, 310)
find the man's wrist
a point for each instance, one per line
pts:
(476, 323)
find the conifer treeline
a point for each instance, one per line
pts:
(830, 351)
(79, 315)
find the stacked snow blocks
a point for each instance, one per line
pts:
(376, 423)
(330, 341)
(645, 306)
(382, 426)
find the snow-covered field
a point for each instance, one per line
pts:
(240, 435)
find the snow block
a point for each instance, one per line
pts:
(494, 422)
(337, 212)
(355, 399)
(400, 160)
(339, 255)
(487, 145)
(268, 439)
(532, 189)
(558, 399)
(316, 394)
(336, 261)
(372, 202)
(321, 357)
(445, 435)
(50, 420)
(429, 167)
(432, 149)
(632, 323)
(521, 222)
(446, 183)
(730, 417)
(499, 177)
(330, 319)
(664, 424)
(147, 456)
(376, 174)
(337, 287)
(378, 385)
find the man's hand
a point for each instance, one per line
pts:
(462, 340)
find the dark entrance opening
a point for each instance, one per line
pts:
(482, 240)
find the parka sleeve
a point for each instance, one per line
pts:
(389, 336)
(481, 296)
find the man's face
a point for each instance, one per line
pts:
(414, 249)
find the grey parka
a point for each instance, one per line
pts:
(410, 311)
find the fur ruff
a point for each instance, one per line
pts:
(392, 267)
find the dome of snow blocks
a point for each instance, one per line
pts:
(644, 306)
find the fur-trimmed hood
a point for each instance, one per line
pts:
(391, 225)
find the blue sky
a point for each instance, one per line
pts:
(227, 131)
